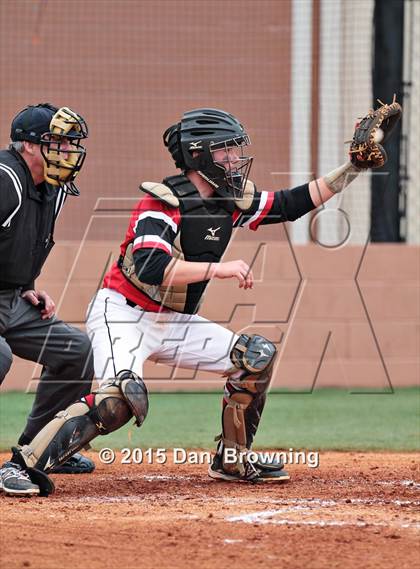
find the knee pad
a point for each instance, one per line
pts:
(245, 394)
(134, 391)
(99, 413)
(252, 358)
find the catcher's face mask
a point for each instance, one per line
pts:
(211, 142)
(230, 157)
(62, 150)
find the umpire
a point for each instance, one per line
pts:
(36, 175)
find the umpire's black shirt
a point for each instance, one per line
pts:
(27, 217)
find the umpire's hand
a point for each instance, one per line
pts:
(41, 299)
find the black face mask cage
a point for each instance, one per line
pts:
(236, 171)
(63, 170)
(55, 141)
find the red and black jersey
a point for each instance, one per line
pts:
(154, 226)
(152, 229)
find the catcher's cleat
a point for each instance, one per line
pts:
(259, 471)
(217, 472)
(16, 482)
(273, 470)
(76, 464)
(274, 475)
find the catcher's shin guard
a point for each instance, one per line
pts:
(99, 413)
(244, 400)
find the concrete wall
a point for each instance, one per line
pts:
(332, 329)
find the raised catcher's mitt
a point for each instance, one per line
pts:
(376, 127)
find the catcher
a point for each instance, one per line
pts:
(148, 305)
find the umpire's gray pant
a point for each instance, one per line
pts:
(64, 351)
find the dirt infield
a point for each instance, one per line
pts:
(355, 510)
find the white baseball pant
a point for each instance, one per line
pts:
(124, 337)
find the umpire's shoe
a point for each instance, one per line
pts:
(16, 482)
(76, 464)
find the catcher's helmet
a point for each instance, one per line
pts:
(200, 133)
(48, 126)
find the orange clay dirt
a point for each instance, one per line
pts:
(357, 510)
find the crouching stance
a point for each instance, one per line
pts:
(98, 413)
(243, 404)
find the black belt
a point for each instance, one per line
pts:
(130, 303)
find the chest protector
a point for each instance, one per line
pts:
(203, 236)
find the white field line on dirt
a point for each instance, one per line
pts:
(355, 480)
(321, 502)
(164, 477)
(147, 477)
(297, 503)
(268, 517)
(175, 477)
(408, 483)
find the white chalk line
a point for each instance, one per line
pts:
(147, 478)
(321, 502)
(407, 483)
(322, 523)
(153, 477)
(297, 503)
(268, 517)
(174, 477)
(354, 480)
(306, 508)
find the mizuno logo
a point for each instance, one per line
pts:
(48, 464)
(72, 437)
(212, 236)
(100, 426)
(196, 145)
(262, 353)
(71, 450)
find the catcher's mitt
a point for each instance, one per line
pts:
(375, 127)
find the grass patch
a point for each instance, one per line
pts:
(327, 419)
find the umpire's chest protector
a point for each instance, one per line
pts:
(27, 239)
(204, 234)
